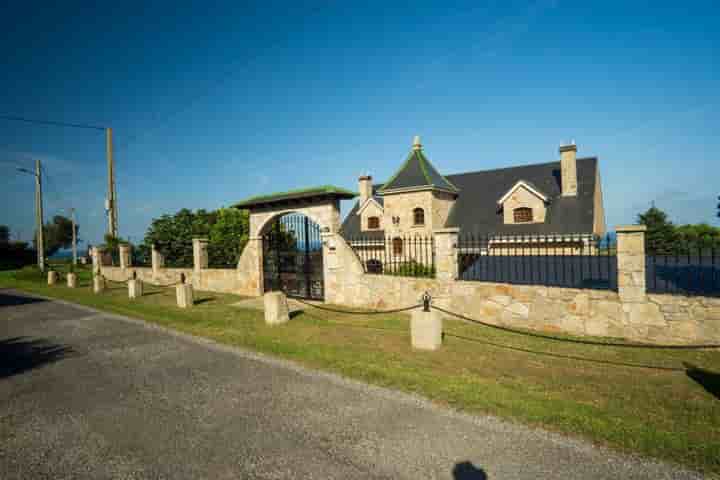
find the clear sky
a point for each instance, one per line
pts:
(211, 102)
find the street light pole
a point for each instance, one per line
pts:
(39, 221)
(74, 237)
(39, 234)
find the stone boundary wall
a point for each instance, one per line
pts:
(654, 318)
(245, 280)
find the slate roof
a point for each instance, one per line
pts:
(476, 209)
(417, 172)
(351, 226)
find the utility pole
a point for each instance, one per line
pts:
(39, 216)
(74, 236)
(111, 203)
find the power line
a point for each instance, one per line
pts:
(13, 118)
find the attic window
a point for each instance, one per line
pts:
(522, 215)
(373, 223)
(419, 216)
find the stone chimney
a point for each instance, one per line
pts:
(365, 187)
(568, 170)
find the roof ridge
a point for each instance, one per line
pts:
(517, 166)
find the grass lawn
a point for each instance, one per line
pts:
(673, 415)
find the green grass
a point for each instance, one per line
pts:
(655, 413)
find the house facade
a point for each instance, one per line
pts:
(558, 204)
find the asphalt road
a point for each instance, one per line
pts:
(90, 395)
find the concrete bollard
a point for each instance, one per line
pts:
(72, 280)
(426, 329)
(52, 277)
(276, 308)
(184, 295)
(98, 284)
(135, 288)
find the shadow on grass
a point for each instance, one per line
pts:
(200, 301)
(710, 381)
(468, 471)
(20, 354)
(10, 300)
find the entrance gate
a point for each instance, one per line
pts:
(293, 257)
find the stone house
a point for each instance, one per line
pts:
(517, 209)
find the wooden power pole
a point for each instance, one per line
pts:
(111, 204)
(74, 236)
(39, 217)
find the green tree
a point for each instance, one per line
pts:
(700, 237)
(57, 234)
(661, 238)
(227, 230)
(228, 236)
(4, 234)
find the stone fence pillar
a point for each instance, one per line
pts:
(631, 263)
(157, 259)
(96, 261)
(446, 258)
(125, 261)
(200, 254)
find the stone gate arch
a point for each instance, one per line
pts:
(320, 205)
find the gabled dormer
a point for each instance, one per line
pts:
(523, 203)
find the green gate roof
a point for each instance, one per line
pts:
(314, 193)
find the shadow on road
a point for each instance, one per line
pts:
(710, 381)
(10, 300)
(20, 354)
(468, 471)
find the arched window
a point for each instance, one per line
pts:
(373, 266)
(419, 216)
(522, 215)
(373, 223)
(397, 245)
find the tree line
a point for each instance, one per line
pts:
(57, 235)
(665, 238)
(226, 229)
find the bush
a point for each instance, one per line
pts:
(14, 255)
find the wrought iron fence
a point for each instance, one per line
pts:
(408, 256)
(694, 272)
(573, 261)
(220, 256)
(140, 256)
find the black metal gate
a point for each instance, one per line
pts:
(292, 257)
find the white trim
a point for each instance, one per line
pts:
(367, 202)
(522, 183)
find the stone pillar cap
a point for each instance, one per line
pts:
(630, 228)
(447, 230)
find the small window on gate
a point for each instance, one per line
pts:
(419, 216)
(397, 245)
(522, 215)
(373, 223)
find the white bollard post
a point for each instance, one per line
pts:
(426, 327)
(184, 295)
(98, 284)
(276, 308)
(135, 287)
(52, 277)
(72, 280)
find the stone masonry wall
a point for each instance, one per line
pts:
(659, 318)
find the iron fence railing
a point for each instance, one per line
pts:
(140, 256)
(573, 261)
(221, 257)
(693, 272)
(407, 256)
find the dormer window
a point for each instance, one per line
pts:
(373, 223)
(523, 215)
(418, 216)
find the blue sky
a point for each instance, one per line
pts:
(212, 102)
